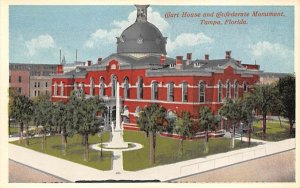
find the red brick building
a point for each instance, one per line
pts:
(147, 75)
(19, 80)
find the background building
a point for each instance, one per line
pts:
(31, 79)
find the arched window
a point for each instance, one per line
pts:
(113, 85)
(126, 88)
(184, 92)
(236, 89)
(220, 91)
(101, 87)
(140, 88)
(201, 92)
(245, 87)
(92, 86)
(62, 87)
(170, 91)
(55, 89)
(228, 93)
(154, 91)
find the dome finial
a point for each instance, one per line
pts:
(141, 13)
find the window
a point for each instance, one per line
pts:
(202, 92)
(113, 85)
(35, 84)
(47, 92)
(154, 91)
(220, 91)
(55, 89)
(101, 90)
(245, 87)
(38, 92)
(236, 89)
(172, 65)
(170, 91)
(19, 90)
(140, 88)
(9, 79)
(38, 84)
(46, 84)
(62, 89)
(92, 87)
(35, 93)
(228, 95)
(126, 88)
(20, 79)
(184, 92)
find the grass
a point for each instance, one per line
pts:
(74, 150)
(167, 150)
(273, 132)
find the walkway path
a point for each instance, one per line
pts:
(72, 171)
(265, 169)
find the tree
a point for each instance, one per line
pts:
(206, 121)
(286, 87)
(12, 94)
(84, 118)
(151, 120)
(232, 110)
(22, 110)
(247, 112)
(43, 116)
(183, 127)
(62, 120)
(264, 96)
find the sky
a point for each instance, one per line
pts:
(37, 33)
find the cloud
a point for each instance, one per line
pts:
(273, 55)
(103, 36)
(188, 40)
(41, 42)
(266, 48)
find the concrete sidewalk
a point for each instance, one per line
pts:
(73, 171)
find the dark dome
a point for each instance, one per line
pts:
(141, 37)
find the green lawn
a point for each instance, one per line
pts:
(13, 130)
(74, 150)
(167, 150)
(273, 132)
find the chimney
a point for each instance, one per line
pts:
(228, 55)
(188, 58)
(162, 59)
(59, 69)
(206, 57)
(179, 62)
(99, 60)
(89, 62)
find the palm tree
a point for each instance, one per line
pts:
(151, 120)
(84, 118)
(264, 96)
(206, 121)
(247, 111)
(43, 116)
(22, 110)
(232, 110)
(183, 127)
(12, 95)
(287, 89)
